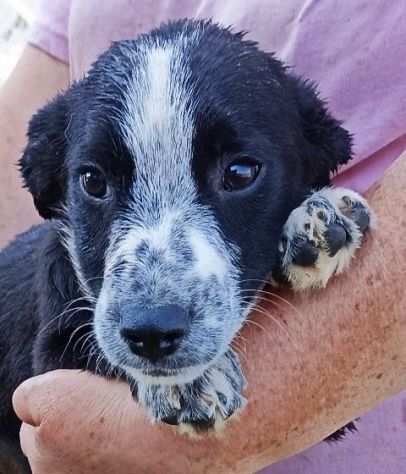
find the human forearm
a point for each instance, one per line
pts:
(341, 351)
(35, 79)
(346, 349)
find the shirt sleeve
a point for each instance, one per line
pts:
(49, 31)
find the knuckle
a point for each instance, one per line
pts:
(48, 435)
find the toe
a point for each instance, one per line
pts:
(358, 212)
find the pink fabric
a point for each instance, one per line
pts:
(355, 51)
(379, 447)
(50, 30)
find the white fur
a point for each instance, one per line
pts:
(68, 240)
(157, 237)
(158, 120)
(208, 261)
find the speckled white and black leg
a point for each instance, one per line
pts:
(321, 236)
(201, 405)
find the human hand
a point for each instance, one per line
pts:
(98, 428)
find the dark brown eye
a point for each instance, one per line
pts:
(94, 183)
(240, 174)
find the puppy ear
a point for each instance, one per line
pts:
(328, 144)
(43, 161)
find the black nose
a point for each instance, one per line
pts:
(153, 333)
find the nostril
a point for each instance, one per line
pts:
(173, 337)
(156, 332)
(152, 344)
(135, 341)
(131, 335)
(171, 341)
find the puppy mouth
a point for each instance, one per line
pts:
(160, 372)
(166, 376)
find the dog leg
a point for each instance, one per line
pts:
(202, 405)
(321, 236)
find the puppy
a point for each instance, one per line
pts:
(186, 168)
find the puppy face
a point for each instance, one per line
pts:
(173, 166)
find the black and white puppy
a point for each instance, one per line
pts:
(177, 175)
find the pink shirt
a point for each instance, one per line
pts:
(356, 52)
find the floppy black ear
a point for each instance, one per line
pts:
(328, 143)
(43, 161)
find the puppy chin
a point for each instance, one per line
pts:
(167, 376)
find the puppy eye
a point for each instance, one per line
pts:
(94, 183)
(240, 174)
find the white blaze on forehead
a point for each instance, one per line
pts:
(157, 118)
(208, 262)
(157, 105)
(157, 123)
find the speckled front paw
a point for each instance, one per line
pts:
(321, 237)
(202, 405)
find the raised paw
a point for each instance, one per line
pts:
(321, 236)
(202, 405)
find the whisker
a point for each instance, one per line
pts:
(87, 335)
(265, 300)
(72, 336)
(93, 350)
(60, 315)
(275, 295)
(72, 312)
(241, 350)
(256, 324)
(268, 315)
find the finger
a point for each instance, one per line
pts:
(28, 441)
(23, 406)
(32, 399)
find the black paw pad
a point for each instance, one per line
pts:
(336, 237)
(306, 254)
(171, 420)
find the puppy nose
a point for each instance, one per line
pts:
(153, 333)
